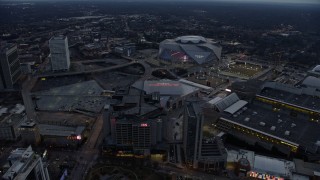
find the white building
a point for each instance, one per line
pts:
(60, 57)
(26, 164)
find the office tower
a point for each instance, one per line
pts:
(25, 164)
(30, 132)
(202, 148)
(9, 126)
(10, 70)
(60, 58)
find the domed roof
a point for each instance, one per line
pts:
(191, 39)
(316, 69)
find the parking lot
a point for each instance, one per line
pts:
(246, 70)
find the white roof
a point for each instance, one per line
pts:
(311, 81)
(227, 101)
(236, 106)
(269, 165)
(191, 39)
(316, 69)
(195, 84)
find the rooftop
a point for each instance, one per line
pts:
(58, 38)
(258, 117)
(190, 39)
(54, 130)
(11, 119)
(273, 166)
(263, 164)
(165, 87)
(302, 100)
(6, 46)
(21, 160)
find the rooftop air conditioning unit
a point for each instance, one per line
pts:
(287, 133)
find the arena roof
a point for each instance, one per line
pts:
(191, 39)
(165, 87)
(188, 48)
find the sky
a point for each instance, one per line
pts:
(256, 1)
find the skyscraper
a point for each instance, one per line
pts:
(10, 70)
(202, 148)
(25, 164)
(59, 49)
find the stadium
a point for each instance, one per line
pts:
(190, 50)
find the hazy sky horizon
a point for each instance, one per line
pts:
(253, 1)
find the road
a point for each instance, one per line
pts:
(26, 96)
(89, 151)
(88, 71)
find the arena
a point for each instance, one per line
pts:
(189, 50)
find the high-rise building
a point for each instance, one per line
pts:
(10, 70)
(202, 149)
(25, 164)
(136, 134)
(9, 126)
(59, 49)
(30, 132)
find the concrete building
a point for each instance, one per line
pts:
(25, 164)
(203, 150)
(171, 94)
(10, 70)
(61, 136)
(247, 164)
(136, 134)
(281, 116)
(9, 126)
(30, 133)
(60, 57)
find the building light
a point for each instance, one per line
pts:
(143, 125)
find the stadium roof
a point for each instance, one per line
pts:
(196, 48)
(191, 39)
